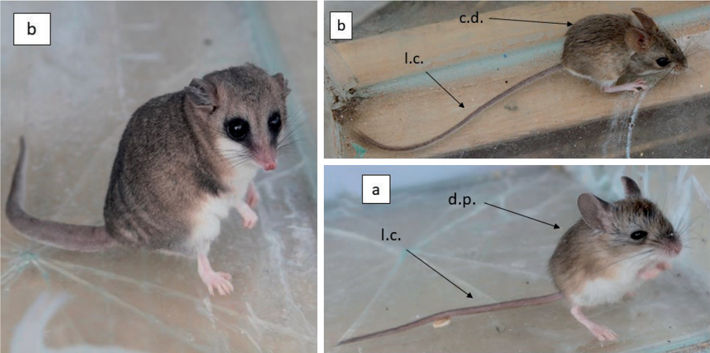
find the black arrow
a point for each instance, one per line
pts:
(554, 226)
(442, 87)
(568, 23)
(468, 294)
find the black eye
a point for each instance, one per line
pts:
(639, 234)
(275, 122)
(237, 129)
(662, 61)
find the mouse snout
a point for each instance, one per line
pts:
(679, 67)
(266, 159)
(269, 165)
(676, 247)
(673, 244)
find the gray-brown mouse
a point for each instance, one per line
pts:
(606, 255)
(184, 159)
(617, 52)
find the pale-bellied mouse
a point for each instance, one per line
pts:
(184, 160)
(607, 254)
(617, 52)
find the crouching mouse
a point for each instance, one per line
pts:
(184, 159)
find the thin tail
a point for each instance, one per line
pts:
(465, 120)
(59, 235)
(459, 312)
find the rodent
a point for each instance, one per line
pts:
(617, 52)
(607, 254)
(184, 159)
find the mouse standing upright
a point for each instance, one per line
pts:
(607, 254)
(184, 160)
(617, 52)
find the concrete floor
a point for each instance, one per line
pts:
(372, 285)
(71, 101)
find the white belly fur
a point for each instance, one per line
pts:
(207, 219)
(603, 290)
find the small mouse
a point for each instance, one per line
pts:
(606, 255)
(184, 159)
(617, 52)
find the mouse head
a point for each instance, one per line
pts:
(656, 49)
(245, 110)
(633, 224)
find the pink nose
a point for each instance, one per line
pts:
(269, 165)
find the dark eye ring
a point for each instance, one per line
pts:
(275, 121)
(639, 234)
(237, 129)
(663, 61)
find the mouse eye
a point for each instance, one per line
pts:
(237, 129)
(275, 122)
(663, 61)
(639, 234)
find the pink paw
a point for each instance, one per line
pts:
(603, 333)
(253, 197)
(219, 281)
(650, 273)
(640, 85)
(249, 218)
(653, 272)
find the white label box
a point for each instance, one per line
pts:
(341, 25)
(32, 28)
(376, 188)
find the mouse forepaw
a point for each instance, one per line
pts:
(249, 217)
(663, 266)
(253, 196)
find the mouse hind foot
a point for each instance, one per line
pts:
(636, 86)
(220, 281)
(602, 333)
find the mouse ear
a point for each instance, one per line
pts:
(646, 20)
(637, 39)
(283, 83)
(201, 95)
(596, 212)
(631, 188)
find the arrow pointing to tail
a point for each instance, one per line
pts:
(468, 294)
(445, 90)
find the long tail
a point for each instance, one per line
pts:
(465, 120)
(59, 235)
(459, 312)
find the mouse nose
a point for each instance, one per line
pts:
(270, 165)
